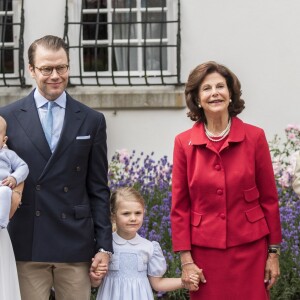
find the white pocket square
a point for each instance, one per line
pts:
(83, 137)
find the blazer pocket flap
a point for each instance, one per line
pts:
(82, 211)
(251, 194)
(255, 214)
(195, 218)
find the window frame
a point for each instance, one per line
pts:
(110, 77)
(15, 78)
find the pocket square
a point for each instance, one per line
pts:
(83, 137)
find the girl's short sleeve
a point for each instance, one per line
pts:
(157, 265)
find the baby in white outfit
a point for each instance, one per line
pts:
(13, 170)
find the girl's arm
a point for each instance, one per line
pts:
(16, 198)
(161, 284)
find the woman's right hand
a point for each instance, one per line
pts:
(16, 198)
(189, 268)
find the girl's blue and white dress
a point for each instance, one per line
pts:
(9, 283)
(133, 260)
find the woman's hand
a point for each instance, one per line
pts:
(189, 268)
(272, 270)
(16, 198)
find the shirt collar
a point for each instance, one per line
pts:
(120, 241)
(40, 100)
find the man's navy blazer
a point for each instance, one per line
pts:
(64, 216)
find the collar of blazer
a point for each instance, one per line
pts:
(236, 134)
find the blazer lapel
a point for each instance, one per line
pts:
(74, 117)
(29, 120)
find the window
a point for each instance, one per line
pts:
(11, 43)
(124, 42)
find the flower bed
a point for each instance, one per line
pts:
(284, 154)
(153, 179)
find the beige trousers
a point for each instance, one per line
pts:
(69, 280)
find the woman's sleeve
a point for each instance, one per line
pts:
(180, 210)
(265, 180)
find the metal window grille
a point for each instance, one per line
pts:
(11, 43)
(124, 42)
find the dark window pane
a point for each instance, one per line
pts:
(93, 27)
(153, 3)
(6, 29)
(95, 59)
(153, 28)
(6, 61)
(123, 3)
(88, 4)
(5, 5)
(124, 57)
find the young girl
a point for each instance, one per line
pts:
(137, 264)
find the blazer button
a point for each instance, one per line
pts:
(219, 191)
(218, 167)
(38, 187)
(66, 189)
(63, 216)
(222, 216)
(78, 168)
(37, 213)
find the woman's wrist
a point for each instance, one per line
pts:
(185, 257)
(18, 192)
(187, 263)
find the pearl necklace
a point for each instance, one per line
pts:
(220, 136)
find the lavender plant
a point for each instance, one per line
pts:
(284, 154)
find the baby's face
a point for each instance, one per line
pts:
(3, 138)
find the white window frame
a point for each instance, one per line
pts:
(122, 77)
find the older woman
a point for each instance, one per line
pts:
(225, 215)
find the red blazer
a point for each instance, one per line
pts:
(226, 198)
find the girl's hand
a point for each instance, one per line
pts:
(195, 279)
(191, 276)
(101, 269)
(97, 274)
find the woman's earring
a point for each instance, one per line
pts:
(230, 100)
(199, 105)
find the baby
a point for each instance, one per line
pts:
(13, 170)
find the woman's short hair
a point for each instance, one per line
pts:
(196, 78)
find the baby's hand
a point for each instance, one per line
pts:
(9, 181)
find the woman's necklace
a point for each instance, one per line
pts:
(219, 137)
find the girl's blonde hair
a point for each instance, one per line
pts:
(125, 193)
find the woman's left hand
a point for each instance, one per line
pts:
(272, 270)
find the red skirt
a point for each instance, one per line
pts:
(236, 273)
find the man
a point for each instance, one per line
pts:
(64, 219)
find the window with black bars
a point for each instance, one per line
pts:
(11, 43)
(124, 42)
